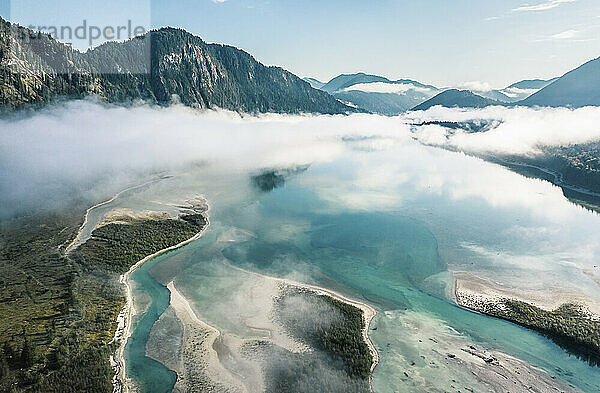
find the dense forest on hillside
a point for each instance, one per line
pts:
(156, 67)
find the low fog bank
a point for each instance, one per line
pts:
(516, 131)
(315, 321)
(83, 150)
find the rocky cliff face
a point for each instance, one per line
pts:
(156, 67)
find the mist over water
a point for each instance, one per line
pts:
(518, 130)
(87, 150)
(84, 149)
(376, 214)
(393, 253)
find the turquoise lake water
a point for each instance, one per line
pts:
(392, 252)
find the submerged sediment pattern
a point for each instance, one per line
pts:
(198, 366)
(420, 353)
(309, 230)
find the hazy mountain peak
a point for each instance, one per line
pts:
(453, 98)
(378, 94)
(315, 83)
(577, 88)
(532, 83)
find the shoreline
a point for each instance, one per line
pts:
(202, 334)
(73, 243)
(369, 312)
(121, 384)
(559, 317)
(467, 285)
(558, 176)
(179, 302)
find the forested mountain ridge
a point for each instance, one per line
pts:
(36, 69)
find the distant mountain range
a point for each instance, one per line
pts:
(377, 94)
(36, 69)
(381, 95)
(456, 98)
(182, 67)
(577, 88)
(515, 92)
(520, 90)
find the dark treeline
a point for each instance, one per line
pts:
(119, 246)
(569, 326)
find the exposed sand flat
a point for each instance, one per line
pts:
(78, 240)
(504, 373)
(429, 347)
(125, 216)
(251, 310)
(258, 297)
(470, 289)
(593, 275)
(368, 311)
(201, 370)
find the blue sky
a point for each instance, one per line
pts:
(443, 42)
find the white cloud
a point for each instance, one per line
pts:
(514, 92)
(476, 86)
(384, 87)
(520, 130)
(85, 148)
(565, 35)
(378, 166)
(82, 147)
(548, 5)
